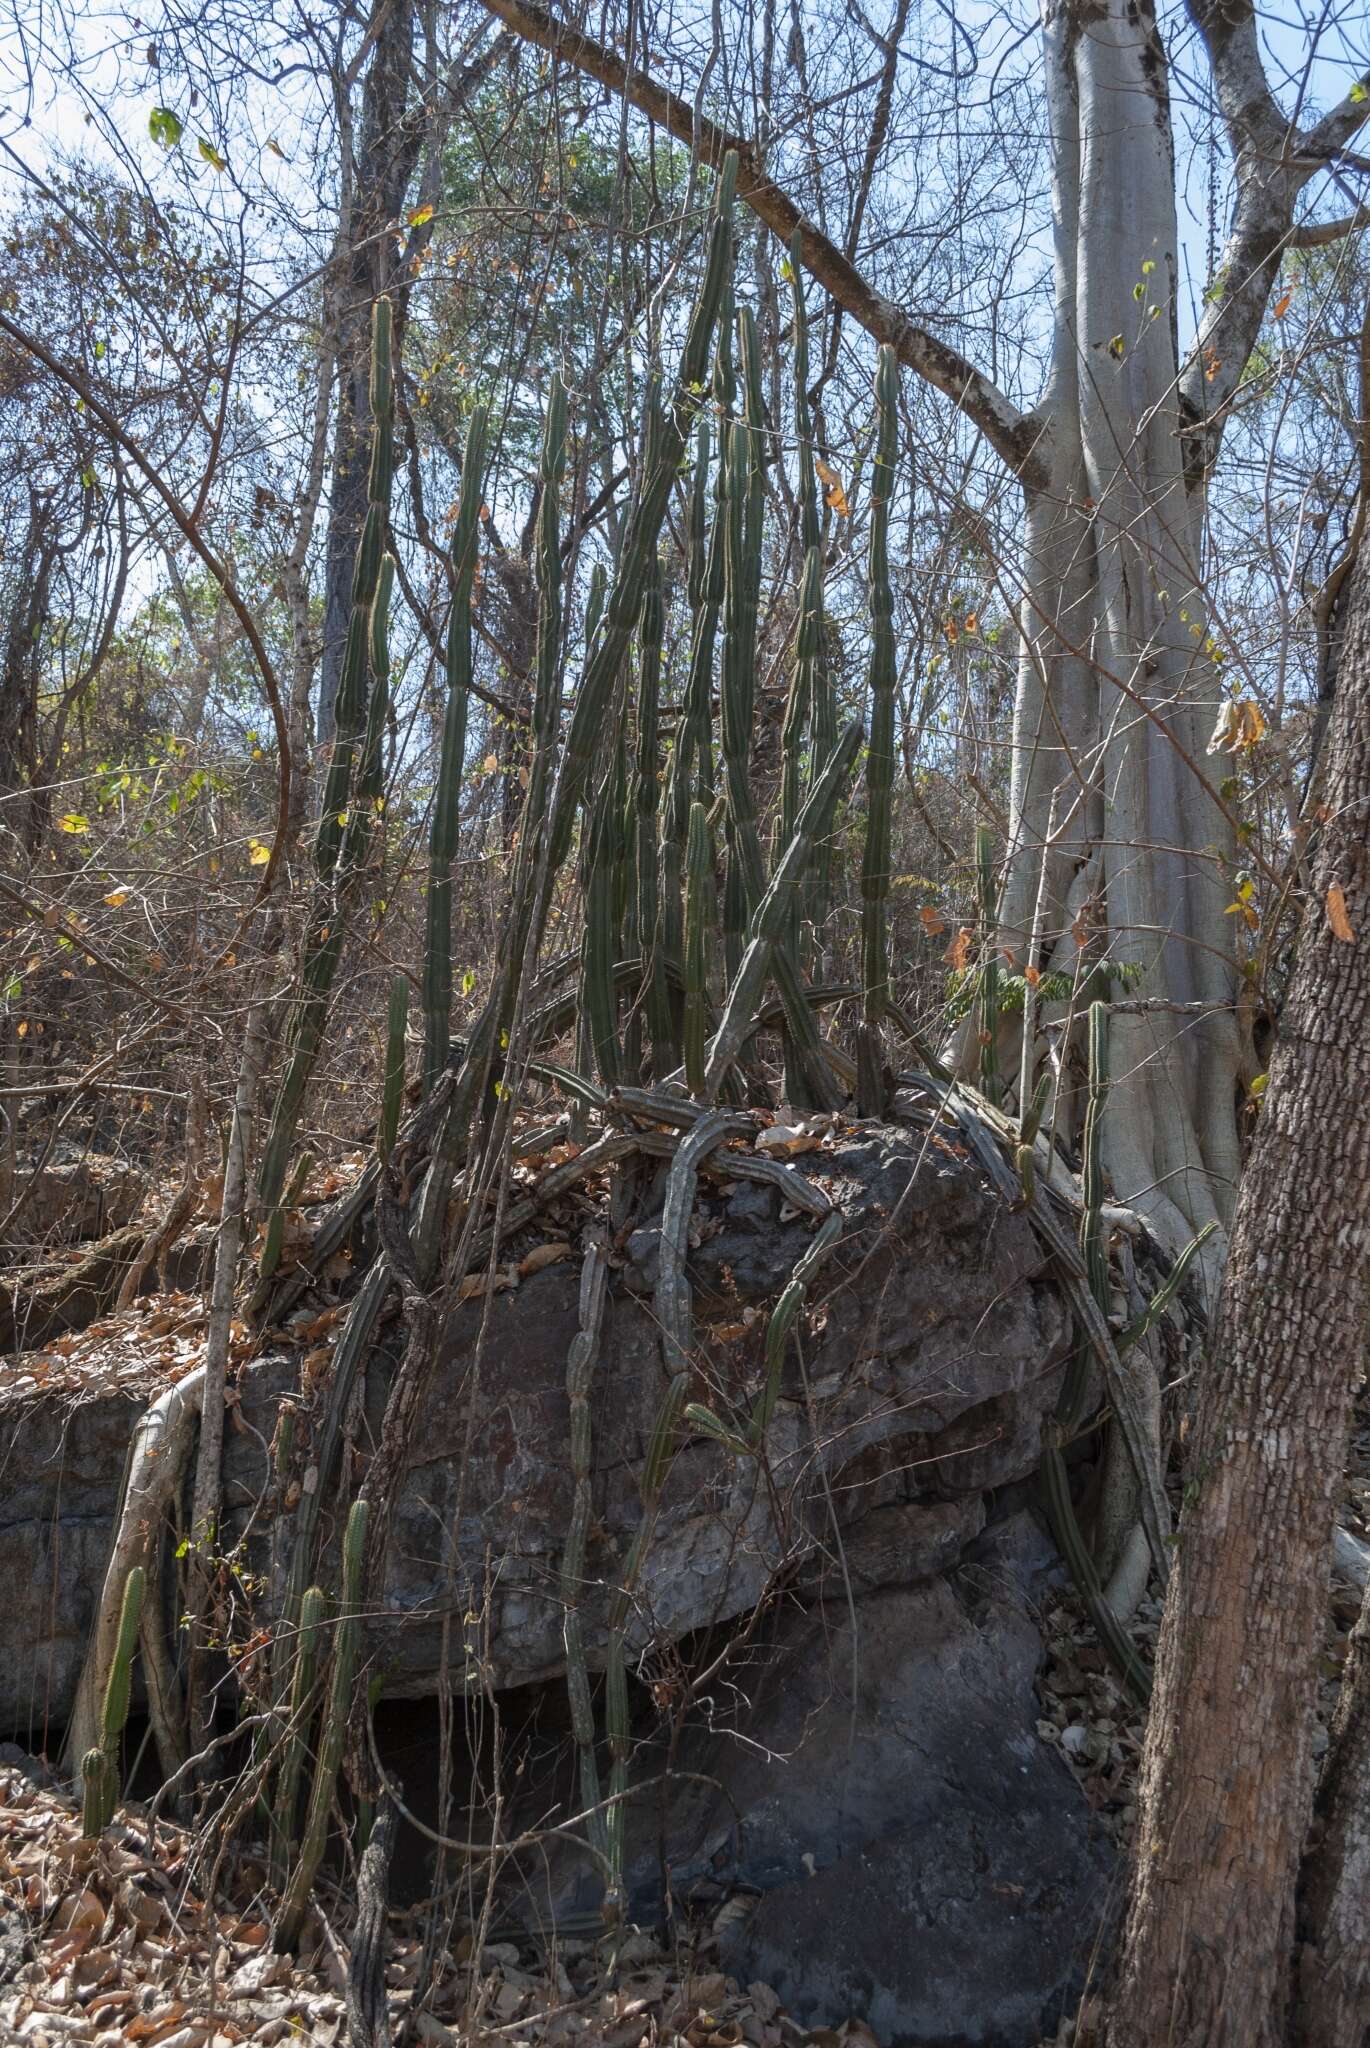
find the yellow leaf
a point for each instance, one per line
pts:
(1336, 915)
(73, 821)
(421, 216)
(117, 898)
(21, 1030)
(835, 494)
(258, 854)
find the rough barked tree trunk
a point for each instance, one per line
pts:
(1335, 1965)
(373, 195)
(1227, 1782)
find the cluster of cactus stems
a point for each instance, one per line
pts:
(657, 837)
(100, 1765)
(332, 1728)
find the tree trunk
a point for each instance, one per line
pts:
(1115, 696)
(385, 162)
(1227, 1782)
(1335, 1965)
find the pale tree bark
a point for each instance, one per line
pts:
(1227, 1783)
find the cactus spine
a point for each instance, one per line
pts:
(328, 912)
(332, 1732)
(100, 1766)
(443, 832)
(875, 866)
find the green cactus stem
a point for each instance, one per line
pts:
(699, 920)
(346, 1645)
(875, 866)
(294, 1741)
(988, 1003)
(445, 826)
(100, 1766)
(337, 859)
(392, 1089)
(772, 913)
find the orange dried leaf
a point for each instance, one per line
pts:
(958, 952)
(1336, 915)
(931, 920)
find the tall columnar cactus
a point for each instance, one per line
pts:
(100, 1766)
(699, 920)
(599, 993)
(392, 1087)
(644, 524)
(295, 1740)
(875, 866)
(1093, 1236)
(604, 662)
(346, 1644)
(692, 767)
(646, 805)
(988, 1001)
(348, 787)
(764, 953)
(444, 830)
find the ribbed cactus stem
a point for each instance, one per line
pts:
(988, 897)
(337, 859)
(771, 916)
(875, 865)
(119, 1688)
(392, 1086)
(782, 1322)
(295, 1741)
(99, 1793)
(445, 827)
(699, 922)
(1093, 1237)
(100, 1767)
(599, 993)
(646, 805)
(691, 768)
(603, 665)
(332, 1731)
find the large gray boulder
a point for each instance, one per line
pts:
(930, 1354)
(870, 1772)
